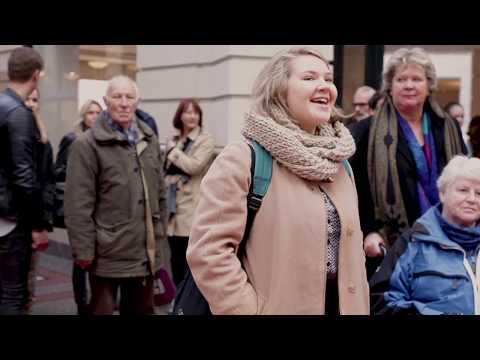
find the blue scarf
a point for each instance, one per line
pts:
(425, 161)
(467, 237)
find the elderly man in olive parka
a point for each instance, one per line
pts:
(115, 208)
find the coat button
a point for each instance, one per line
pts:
(140, 202)
(349, 232)
(136, 169)
(352, 289)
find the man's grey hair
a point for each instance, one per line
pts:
(404, 56)
(122, 79)
(365, 89)
(460, 167)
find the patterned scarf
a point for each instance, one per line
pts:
(131, 134)
(312, 157)
(382, 166)
(425, 162)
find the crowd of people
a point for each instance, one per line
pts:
(375, 212)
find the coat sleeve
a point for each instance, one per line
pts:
(194, 162)
(49, 185)
(28, 193)
(217, 230)
(360, 132)
(162, 193)
(380, 281)
(80, 195)
(62, 157)
(398, 298)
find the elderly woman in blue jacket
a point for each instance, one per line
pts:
(437, 272)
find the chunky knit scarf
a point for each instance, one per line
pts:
(312, 157)
(382, 166)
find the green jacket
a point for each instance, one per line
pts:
(105, 209)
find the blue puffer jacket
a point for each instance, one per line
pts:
(433, 275)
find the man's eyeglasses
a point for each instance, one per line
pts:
(360, 104)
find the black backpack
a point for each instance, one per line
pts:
(189, 300)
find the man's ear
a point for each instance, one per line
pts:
(36, 76)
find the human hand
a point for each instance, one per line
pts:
(39, 240)
(372, 245)
(84, 264)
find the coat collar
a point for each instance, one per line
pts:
(427, 229)
(103, 133)
(194, 134)
(12, 93)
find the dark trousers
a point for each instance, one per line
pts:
(178, 260)
(15, 258)
(79, 281)
(136, 295)
(331, 298)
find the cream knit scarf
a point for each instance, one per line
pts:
(312, 157)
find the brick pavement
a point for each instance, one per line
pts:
(53, 285)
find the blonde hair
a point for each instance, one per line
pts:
(42, 128)
(80, 125)
(270, 88)
(407, 56)
(460, 167)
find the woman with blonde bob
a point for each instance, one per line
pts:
(304, 253)
(437, 273)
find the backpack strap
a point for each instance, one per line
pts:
(347, 167)
(261, 175)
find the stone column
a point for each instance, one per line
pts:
(59, 89)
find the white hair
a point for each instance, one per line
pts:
(365, 90)
(116, 80)
(460, 167)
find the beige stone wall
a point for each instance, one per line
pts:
(5, 51)
(58, 93)
(219, 76)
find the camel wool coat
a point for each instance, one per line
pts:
(285, 262)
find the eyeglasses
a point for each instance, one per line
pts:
(360, 104)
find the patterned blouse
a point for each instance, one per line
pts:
(333, 228)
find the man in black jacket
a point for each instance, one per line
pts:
(23, 224)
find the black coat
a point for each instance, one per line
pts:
(26, 167)
(406, 167)
(61, 177)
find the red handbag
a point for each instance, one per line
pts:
(164, 289)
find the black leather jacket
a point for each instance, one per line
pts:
(26, 166)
